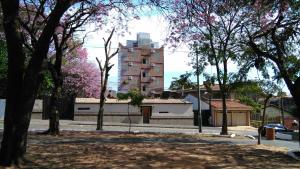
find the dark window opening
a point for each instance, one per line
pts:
(144, 88)
(84, 108)
(144, 74)
(163, 112)
(144, 61)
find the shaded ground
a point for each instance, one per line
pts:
(119, 150)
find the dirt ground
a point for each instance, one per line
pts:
(120, 150)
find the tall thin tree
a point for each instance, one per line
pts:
(104, 71)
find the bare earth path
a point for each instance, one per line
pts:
(121, 150)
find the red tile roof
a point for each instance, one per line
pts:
(231, 105)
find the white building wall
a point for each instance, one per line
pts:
(108, 108)
(178, 114)
(194, 100)
(179, 110)
(2, 107)
(38, 106)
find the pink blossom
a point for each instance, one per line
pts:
(80, 76)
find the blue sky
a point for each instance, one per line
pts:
(176, 62)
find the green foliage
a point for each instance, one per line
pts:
(122, 96)
(256, 107)
(46, 85)
(3, 60)
(269, 88)
(3, 68)
(247, 92)
(293, 111)
(136, 99)
(183, 81)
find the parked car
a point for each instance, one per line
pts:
(278, 128)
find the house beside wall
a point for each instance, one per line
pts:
(153, 111)
(238, 114)
(205, 109)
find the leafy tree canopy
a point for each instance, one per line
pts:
(136, 99)
(183, 82)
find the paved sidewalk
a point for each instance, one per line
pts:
(91, 126)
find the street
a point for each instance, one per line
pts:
(42, 125)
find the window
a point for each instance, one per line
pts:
(84, 108)
(144, 88)
(145, 74)
(144, 61)
(134, 54)
(163, 112)
(157, 55)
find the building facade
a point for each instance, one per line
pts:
(141, 66)
(152, 111)
(238, 114)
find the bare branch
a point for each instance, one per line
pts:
(99, 63)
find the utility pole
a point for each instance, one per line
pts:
(198, 91)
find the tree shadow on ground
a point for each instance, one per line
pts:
(96, 150)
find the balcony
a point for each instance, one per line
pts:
(145, 66)
(145, 80)
(146, 52)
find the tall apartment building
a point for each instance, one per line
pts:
(141, 66)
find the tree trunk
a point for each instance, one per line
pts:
(102, 101)
(22, 83)
(100, 115)
(17, 118)
(260, 129)
(19, 103)
(56, 91)
(224, 122)
(129, 118)
(297, 100)
(54, 113)
(296, 97)
(102, 94)
(198, 95)
(282, 111)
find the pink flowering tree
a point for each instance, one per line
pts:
(80, 76)
(211, 28)
(29, 37)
